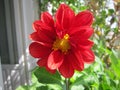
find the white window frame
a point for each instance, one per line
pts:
(25, 13)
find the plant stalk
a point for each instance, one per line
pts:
(67, 83)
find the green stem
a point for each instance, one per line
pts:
(67, 83)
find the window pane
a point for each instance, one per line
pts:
(3, 36)
(8, 46)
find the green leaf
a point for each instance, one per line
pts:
(105, 83)
(78, 87)
(103, 13)
(54, 87)
(111, 11)
(45, 77)
(42, 88)
(26, 87)
(22, 88)
(115, 63)
(85, 81)
(98, 65)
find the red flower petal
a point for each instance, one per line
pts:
(47, 19)
(84, 18)
(44, 36)
(82, 44)
(78, 65)
(83, 33)
(38, 51)
(43, 63)
(50, 70)
(75, 61)
(85, 44)
(40, 25)
(87, 34)
(64, 18)
(45, 33)
(60, 13)
(55, 59)
(66, 69)
(34, 36)
(88, 56)
(36, 25)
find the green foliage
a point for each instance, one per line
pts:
(49, 78)
(43, 80)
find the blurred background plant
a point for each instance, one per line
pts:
(104, 73)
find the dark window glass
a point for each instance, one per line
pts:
(8, 44)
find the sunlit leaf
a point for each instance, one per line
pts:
(45, 77)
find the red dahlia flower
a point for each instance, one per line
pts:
(62, 43)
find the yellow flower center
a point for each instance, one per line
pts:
(62, 44)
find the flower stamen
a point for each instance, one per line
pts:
(62, 44)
